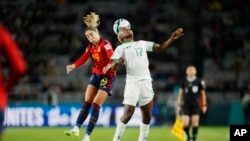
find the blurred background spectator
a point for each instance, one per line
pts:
(246, 105)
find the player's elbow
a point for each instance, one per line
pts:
(158, 47)
(20, 69)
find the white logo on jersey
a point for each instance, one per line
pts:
(195, 89)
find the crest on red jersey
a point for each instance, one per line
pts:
(107, 46)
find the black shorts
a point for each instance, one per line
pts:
(190, 110)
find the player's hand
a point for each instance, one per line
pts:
(177, 34)
(204, 109)
(120, 61)
(115, 63)
(69, 68)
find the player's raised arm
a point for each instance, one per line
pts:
(18, 66)
(175, 35)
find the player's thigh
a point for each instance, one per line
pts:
(128, 112)
(90, 93)
(195, 120)
(147, 93)
(131, 93)
(185, 120)
(147, 109)
(186, 112)
(129, 109)
(100, 97)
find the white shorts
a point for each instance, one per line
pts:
(138, 91)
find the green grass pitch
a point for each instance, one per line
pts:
(162, 133)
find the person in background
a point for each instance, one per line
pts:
(138, 87)
(17, 67)
(102, 80)
(246, 104)
(191, 90)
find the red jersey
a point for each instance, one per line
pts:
(101, 55)
(10, 52)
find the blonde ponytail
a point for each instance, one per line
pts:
(92, 20)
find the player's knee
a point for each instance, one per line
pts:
(85, 108)
(128, 113)
(146, 119)
(126, 117)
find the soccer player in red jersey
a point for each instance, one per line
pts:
(10, 52)
(102, 79)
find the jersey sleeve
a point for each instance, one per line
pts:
(182, 84)
(202, 85)
(83, 58)
(118, 53)
(109, 50)
(148, 45)
(14, 57)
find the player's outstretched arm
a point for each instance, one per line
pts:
(13, 55)
(115, 63)
(175, 35)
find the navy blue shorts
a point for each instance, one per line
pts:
(103, 82)
(1, 120)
